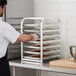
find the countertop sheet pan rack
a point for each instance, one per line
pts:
(47, 47)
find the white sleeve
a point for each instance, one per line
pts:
(10, 33)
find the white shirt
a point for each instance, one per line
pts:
(7, 34)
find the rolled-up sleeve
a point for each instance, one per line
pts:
(10, 33)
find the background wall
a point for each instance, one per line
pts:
(66, 11)
(19, 8)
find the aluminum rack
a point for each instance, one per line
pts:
(47, 46)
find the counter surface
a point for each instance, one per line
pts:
(44, 67)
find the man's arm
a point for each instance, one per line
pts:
(12, 35)
(26, 37)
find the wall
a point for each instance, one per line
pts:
(66, 11)
(19, 8)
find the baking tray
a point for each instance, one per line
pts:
(51, 47)
(17, 27)
(44, 48)
(37, 52)
(37, 25)
(46, 37)
(45, 27)
(45, 42)
(51, 42)
(44, 32)
(50, 31)
(32, 47)
(16, 43)
(35, 42)
(34, 31)
(14, 20)
(14, 46)
(34, 57)
(32, 25)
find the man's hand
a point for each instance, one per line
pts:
(35, 37)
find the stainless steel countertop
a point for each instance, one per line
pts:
(44, 67)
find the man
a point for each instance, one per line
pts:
(9, 34)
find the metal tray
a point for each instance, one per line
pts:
(45, 27)
(33, 58)
(44, 48)
(37, 52)
(46, 42)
